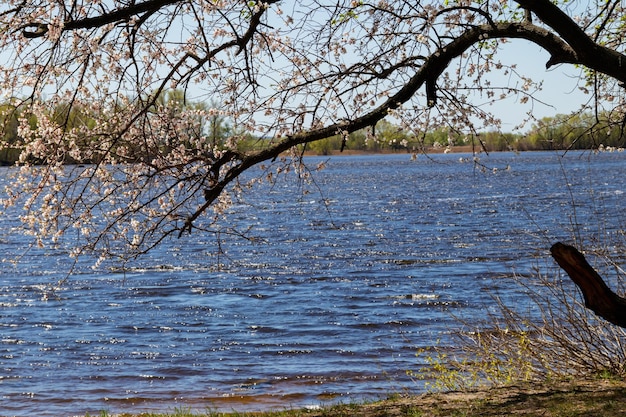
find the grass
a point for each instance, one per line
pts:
(564, 398)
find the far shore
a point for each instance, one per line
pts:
(429, 150)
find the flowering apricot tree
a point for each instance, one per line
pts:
(103, 154)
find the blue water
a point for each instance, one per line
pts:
(344, 281)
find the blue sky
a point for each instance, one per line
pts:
(560, 91)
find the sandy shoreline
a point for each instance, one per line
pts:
(576, 397)
(566, 398)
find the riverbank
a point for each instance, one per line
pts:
(579, 397)
(606, 398)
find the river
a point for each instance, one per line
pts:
(344, 281)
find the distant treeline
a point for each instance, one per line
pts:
(560, 132)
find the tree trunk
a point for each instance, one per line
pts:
(598, 296)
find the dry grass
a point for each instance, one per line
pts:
(554, 338)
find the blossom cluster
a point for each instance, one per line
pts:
(103, 153)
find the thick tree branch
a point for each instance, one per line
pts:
(117, 15)
(125, 13)
(38, 29)
(561, 23)
(597, 295)
(426, 75)
(432, 68)
(589, 53)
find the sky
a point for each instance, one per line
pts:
(560, 92)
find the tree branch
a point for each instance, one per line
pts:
(426, 75)
(560, 22)
(117, 15)
(589, 53)
(597, 295)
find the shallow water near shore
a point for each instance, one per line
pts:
(329, 303)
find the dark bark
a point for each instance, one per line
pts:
(588, 52)
(597, 295)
